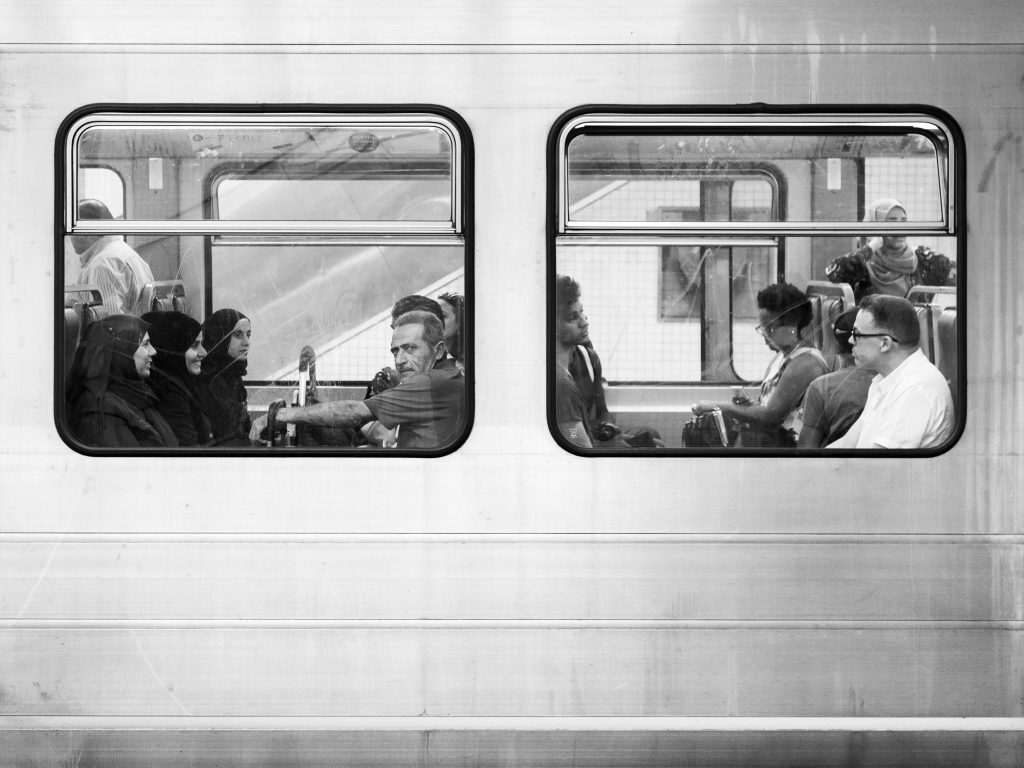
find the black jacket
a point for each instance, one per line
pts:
(181, 409)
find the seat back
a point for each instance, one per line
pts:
(946, 358)
(83, 306)
(926, 319)
(936, 311)
(942, 295)
(72, 328)
(164, 296)
(931, 302)
(828, 302)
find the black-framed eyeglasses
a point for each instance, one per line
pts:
(855, 336)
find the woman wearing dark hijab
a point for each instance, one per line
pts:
(178, 340)
(222, 392)
(110, 404)
(889, 266)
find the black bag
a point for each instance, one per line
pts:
(706, 431)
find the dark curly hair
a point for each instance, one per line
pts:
(567, 292)
(458, 304)
(787, 303)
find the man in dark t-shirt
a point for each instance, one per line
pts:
(571, 328)
(570, 409)
(426, 406)
(579, 381)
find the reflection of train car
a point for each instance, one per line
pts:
(509, 602)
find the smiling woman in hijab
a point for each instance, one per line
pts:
(110, 404)
(889, 266)
(178, 340)
(222, 392)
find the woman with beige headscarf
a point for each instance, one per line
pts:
(889, 265)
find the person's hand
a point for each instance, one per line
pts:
(258, 425)
(741, 398)
(385, 379)
(605, 431)
(704, 406)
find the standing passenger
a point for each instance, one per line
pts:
(222, 394)
(909, 404)
(178, 340)
(110, 264)
(891, 267)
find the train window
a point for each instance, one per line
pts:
(707, 268)
(104, 184)
(325, 258)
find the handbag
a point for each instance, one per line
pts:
(706, 430)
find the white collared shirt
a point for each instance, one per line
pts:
(910, 408)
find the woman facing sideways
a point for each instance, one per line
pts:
(178, 340)
(774, 420)
(222, 394)
(110, 403)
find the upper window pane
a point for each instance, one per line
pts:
(362, 172)
(599, 165)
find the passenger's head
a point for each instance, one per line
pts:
(571, 326)
(885, 332)
(178, 340)
(131, 352)
(453, 305)
(89, 210)
(417, 342)
(416, 303)
(842, 328)
(888, 209)
(783, 312)
(115, 349)
(226, 335)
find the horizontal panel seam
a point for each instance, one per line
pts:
(192, 538)
(513, 723)
(10, 623)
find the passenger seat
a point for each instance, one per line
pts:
(164, 296)
(83, 306)
(828, 302)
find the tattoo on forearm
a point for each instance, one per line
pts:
(338, 413)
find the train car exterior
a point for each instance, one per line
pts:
(510, 598)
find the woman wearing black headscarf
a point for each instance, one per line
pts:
(178, 340)
(222, 392)
(110, 405)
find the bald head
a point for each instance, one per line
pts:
(93, 210)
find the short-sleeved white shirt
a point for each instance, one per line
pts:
(910, 408)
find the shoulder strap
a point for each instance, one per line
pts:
(584, 353)
(809, 350)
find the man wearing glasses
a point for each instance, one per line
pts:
(909, 404)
